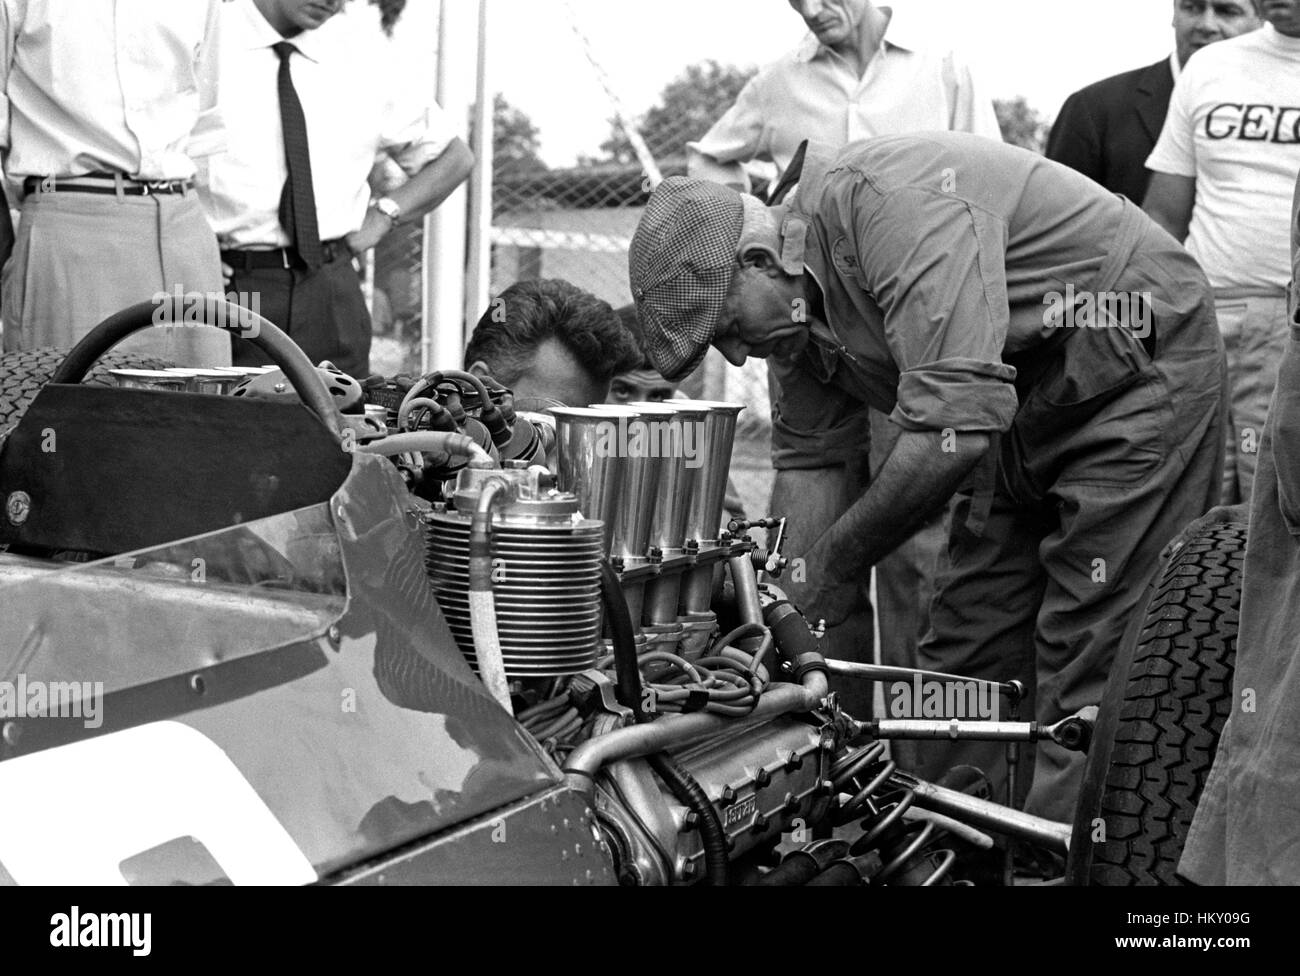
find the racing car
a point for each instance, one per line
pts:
(278, 626)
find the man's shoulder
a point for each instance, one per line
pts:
(911, 159)
(791, 61)
(1123, 86)
(1227, 57)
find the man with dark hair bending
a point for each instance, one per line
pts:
(550, 340)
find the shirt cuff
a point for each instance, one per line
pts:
(1162, 163)
(208, 137)
(703, 166)
(422, 140)
(965, 395)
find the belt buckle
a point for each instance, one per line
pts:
(148, 187)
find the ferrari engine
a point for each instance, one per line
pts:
(592, 585)
(586, 569)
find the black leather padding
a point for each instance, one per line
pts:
(109, 470)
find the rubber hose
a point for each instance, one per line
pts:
(841, 874)
(691, 795)
(801, 866)
(626, 668)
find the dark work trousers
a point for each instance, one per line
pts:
(323, 311)
(1110, 455)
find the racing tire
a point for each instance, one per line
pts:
(1163, 711)
(22, 374)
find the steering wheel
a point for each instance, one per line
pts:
(216, 312)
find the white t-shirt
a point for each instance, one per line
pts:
(1234, 125)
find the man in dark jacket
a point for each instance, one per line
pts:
(1107, 130)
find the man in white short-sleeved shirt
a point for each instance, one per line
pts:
(1224, 173)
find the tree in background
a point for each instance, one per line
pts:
(390, 11)
(1021, 124)
(688, 106)
(516, 141)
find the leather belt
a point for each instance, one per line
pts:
(252, 259)
(109, 184)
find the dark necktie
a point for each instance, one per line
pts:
(298, 199)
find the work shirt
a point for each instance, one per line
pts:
(938, 257)
(1234, 127)
(127, 86)
(813, 93)
(355, 106)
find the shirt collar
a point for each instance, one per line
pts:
(1174, 66)
(258, 33)
(897, 35)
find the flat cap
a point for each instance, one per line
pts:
(680, 265)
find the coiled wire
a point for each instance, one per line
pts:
(725, 681)
(864, 773)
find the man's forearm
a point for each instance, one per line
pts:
(919, 476)
(428, 188)
(1170, 201)
(702, 166)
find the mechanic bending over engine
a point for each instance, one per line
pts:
(949, 280)
(645, 384)
(551, 343)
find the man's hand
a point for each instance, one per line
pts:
(373, 230)
(919, 476)
(819, 597)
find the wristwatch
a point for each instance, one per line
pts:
(387, 207)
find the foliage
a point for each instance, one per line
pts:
(1021, 124)
(687, 107)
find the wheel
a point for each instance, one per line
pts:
(22, 374)
(1168, 698)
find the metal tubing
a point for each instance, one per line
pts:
(712, 440)
(671, 732)
(986, 814)
(661, 598)
(697, 590)
(943, 728)
(881, 672)
(748, 605)
(746, 584)
(587, 466)
(634, 503)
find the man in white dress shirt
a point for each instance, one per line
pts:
(310, 99)
(105, 109)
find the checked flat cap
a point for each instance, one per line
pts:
(682, 258)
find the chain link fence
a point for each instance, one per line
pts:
(577, 223)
